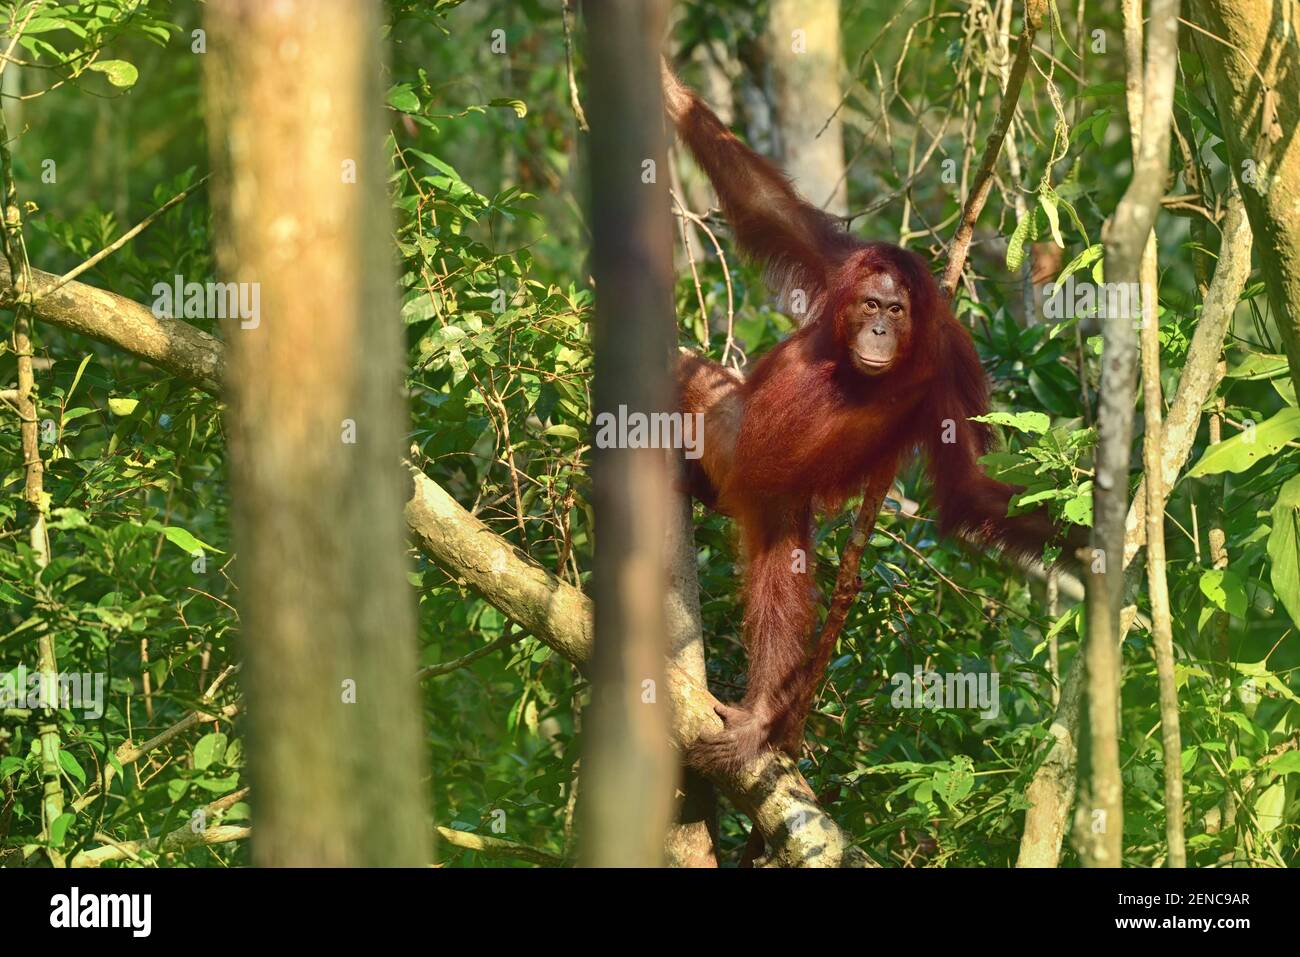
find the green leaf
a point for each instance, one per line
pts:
(1079, 508)
(1270, 805)
(1249, 446)
(952, 786)
(1259, 365)
(1047, 199)
(76, 379)
(1284, 548)
(1226, 590)
(403, 98)
(209, 748)
(519, 106)
(71, 767)
(119, 73)
(59, 828)
(1288, 762)
(1286, 389)
(122, 406)
(186, 542)
(1035, 423)
(1081, 261)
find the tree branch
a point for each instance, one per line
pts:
(770, 790)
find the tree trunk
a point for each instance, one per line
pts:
(1100, 819)
(1254, 73)
(629, 769)
(316, 423)
(804, 56)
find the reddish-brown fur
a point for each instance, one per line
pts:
(807, 429)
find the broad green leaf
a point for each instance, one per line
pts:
(1259, 365)
(952, 786)
(1286, 389)
(1226, 590)
(1270, 805)
(1079, 508)
(1249, 446)
(1288, 762)
(122, 406)
(59, 828)
(209, 748)
(564, 431)
(119, 73)
(1284, 548)
(71, 767)
(186, 542)
(1035, 423)
(403, 98)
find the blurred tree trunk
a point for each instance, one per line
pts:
(628, 767)
(1254, 72)
(804, 59)
(316, 423)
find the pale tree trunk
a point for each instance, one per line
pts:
(1252, 58)
(316, 422)
(1158, 585)
(803, 38)
(1155, 491)
(693, 840)
(1100, 821)
(629, 769)
(1051, 793)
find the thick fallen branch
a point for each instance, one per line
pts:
(771, 791)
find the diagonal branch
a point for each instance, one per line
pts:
(983, 182)
(770, 790)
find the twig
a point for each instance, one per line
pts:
(565, 13)
(499, 847)
(181, 839)
(447, 667)
(118, 243)
(983, 183)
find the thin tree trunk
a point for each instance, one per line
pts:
(1051, 793)
(1158, 590)
(316, 423)
(1100, 829)
(20, 281)
(693, 839)
(1249, 50)
(629, 772)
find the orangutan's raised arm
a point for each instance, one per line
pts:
(797, 242)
